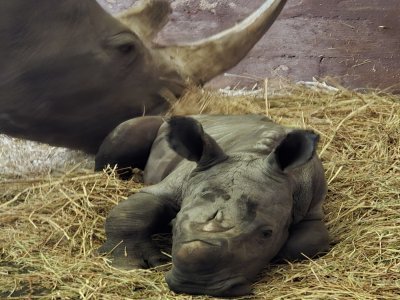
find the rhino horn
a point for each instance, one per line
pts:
(202, 60)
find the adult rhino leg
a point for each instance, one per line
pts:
(129, 228)
(128, 145)
(307, 238)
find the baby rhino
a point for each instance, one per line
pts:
(239, 192)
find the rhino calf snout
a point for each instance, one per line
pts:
(235, 286)
(197, 255)
(194, 266)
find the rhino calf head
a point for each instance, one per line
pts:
(236, 210)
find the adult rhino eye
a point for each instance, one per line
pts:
(124, 43)
(266, 232)
(126, 48)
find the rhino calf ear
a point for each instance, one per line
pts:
(187, 138)
(297, 148)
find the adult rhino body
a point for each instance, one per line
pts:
(239, 190)
(70, 72)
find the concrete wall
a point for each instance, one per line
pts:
(355, 41)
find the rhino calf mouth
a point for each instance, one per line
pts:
(198, 268)
(231, 287)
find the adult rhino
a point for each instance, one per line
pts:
(238, 190)
(70, 72)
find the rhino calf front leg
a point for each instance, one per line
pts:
(308, 237)
(129, 228)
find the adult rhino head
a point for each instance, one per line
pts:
(70, 72)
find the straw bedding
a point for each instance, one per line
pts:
(51, 225)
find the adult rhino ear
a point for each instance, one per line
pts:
(147, 17)
(187, 138)
(296, 149)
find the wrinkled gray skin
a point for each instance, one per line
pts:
(240, 192)
(70, 72)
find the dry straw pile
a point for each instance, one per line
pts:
(51, 226)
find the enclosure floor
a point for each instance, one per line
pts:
(51, 224)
